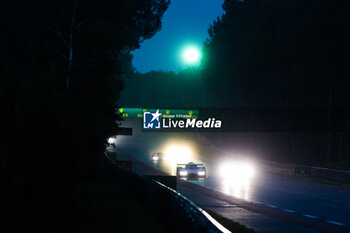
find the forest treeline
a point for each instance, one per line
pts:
(279, 53)
(61, 69)
(163, 89)
(286, 54)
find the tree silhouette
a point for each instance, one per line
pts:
(264, 53)
(61, 69)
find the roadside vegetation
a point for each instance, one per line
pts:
(62, 64)
(103, 206)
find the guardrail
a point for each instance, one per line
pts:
(325, 174)
(280, 168)
(175, 210)
(331, 175)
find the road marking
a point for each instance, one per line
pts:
(309, 216)
(313, 196)
(229, 205)
(272, 206)
(219, 206)
(289, 211)
(336, 223)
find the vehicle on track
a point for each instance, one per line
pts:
(191, 170)
(156, 156)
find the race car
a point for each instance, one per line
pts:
(155, 156)
(191, 170)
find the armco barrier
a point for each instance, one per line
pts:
(331, 175)
(342, 177)
(171, 208)
(280, 168)
(302, 171)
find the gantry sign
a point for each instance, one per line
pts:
(166, 113)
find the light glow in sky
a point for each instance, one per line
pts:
(185, 22)
(192, 55)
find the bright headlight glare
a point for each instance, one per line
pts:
(111, 140)
(183, 173)
(155, 157)
(237, 170)
(177, 154)
(249, 170)
(201, 173)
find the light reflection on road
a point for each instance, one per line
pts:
(237, 188)
(180, 152)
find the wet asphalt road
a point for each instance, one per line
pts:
(305, 203)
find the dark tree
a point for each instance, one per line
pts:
(294, 53)
(61, 68)
(160, 89)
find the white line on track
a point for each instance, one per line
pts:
(229, 205)
(336, 223)
(289, 211)
(272, 206)
(309, 216)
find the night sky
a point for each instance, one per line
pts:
(185, 22)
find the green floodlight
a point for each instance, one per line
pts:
(191, 55)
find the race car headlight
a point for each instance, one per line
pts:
(155, 157)
(111, 140)
(201, 173)
(237, 170)
(177, 154)
(183, 173)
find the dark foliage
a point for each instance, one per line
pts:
(163, 89)
(279, 53)
(295, 53)
(61, 65)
